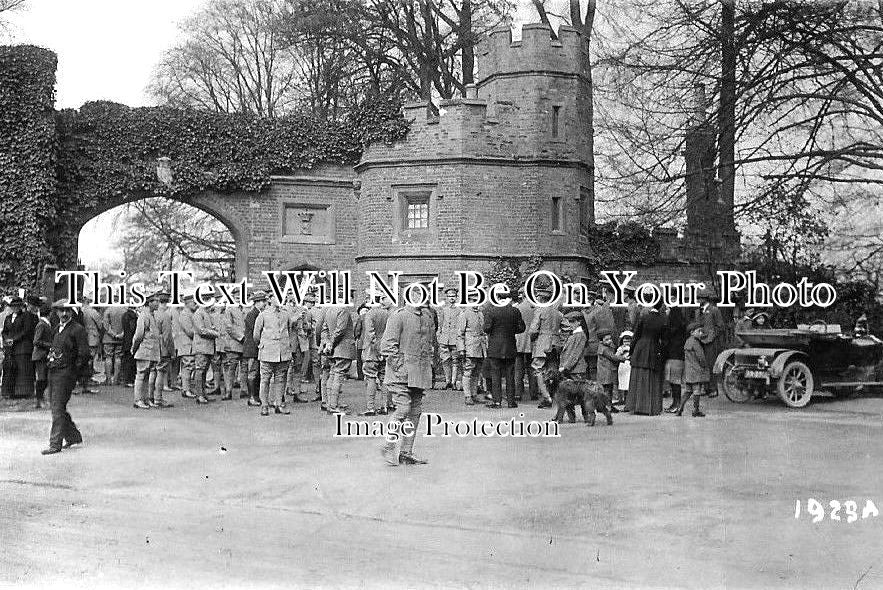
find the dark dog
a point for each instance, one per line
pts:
(569, 393)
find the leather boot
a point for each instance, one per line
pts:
(675, 399)
(684, 403)
(696, 411)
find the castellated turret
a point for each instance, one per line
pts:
(506, 171)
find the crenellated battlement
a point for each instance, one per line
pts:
(536, 52)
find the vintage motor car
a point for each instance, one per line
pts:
(795, 363)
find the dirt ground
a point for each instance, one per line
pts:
(220, 497)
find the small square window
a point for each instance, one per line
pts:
(416, 210)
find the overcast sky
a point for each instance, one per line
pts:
(106, 48)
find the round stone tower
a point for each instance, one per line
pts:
(505, 172)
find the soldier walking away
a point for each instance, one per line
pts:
(67, 358)
(407, 344)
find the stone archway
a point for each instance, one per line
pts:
(219, 207)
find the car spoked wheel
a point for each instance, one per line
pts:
(796, 385)
(729, 384)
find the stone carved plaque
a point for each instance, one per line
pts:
(307, 223)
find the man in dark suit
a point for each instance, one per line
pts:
(68, 358)
(18, 345)
(501, 325)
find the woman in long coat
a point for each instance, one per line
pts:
(645, 382)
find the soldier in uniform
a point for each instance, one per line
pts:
(112, 342)
(204, 342)
(472, 348)
(447, 340)
(545, 335)
(307, 336)
(183, 336)
(714, 334)
(217, 318)
(68, 356)
(234, 341)
(296, 370)
(146, 351)
(340, 347)
(250, 349)
(373, 364)
(272, 334)
(324, 362)
(163, 317)
(408, 345)
(522, 361)
(93, 323)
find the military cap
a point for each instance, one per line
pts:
(692, 326)
(574, 315)
(16, 301)
(259, 296)
(604, 332)
(188, 297)
(450, 290)
(35, 300)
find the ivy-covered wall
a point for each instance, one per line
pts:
(108, 153)
(58, 169)
(28, 155)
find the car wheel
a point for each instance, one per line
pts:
(728, 384)
(796, 385)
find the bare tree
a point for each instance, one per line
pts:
(161, 234)
(7, 6)
(231, 59)
(796, 91)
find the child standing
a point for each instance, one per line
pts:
(696, 373)
(625, 367)
(608, 376)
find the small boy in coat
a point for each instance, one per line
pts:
(608, 362)
(696, 371)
